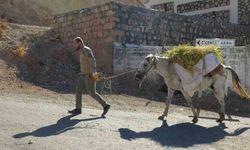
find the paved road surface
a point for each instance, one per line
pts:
(32, 124)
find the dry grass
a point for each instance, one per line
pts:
(2, 27)
(20, 52)
(188, 56)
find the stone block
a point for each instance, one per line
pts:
(109, 39)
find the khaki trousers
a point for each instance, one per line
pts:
(85, 82)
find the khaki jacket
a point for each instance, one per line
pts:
(87, 61)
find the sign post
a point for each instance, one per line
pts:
(218, 42)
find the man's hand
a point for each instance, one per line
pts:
(95, 76)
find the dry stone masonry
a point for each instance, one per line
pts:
(220, 16)
(102, 26)
(244, 11)
(95, 26)
(200, 5)
(146, 27)
(234, 11)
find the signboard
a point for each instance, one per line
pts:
(218, 42)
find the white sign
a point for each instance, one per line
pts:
(218, 42)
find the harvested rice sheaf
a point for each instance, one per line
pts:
(188, 56)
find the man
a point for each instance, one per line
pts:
(87, 77)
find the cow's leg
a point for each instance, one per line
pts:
(190, 103)
(219, 94)
(219, 84)
(168, 102)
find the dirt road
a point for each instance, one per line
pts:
(28, 122)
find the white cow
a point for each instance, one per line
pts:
(218, 82)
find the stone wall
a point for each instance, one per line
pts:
(244, 12)
(202, 4)
(238, 10)
(103, 25)
(239, 59)
(140, 26)
(129, 57)
(221, 16)
(94, 25)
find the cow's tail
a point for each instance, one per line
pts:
(236, 84)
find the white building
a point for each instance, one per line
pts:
(234, 11)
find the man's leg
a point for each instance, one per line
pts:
(91, 88)
(79, 91)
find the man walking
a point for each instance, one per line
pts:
(87, 78)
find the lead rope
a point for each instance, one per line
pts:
(107, 81)
(118, 75)
(152, 66)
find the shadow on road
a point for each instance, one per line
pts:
(62, 125)
(181, 135)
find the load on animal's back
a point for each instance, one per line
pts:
(188, 56)
(190, 69)
(193, 63)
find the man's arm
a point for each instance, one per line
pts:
(88, 52)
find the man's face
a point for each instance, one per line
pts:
(76, 45)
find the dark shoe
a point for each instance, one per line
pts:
(75, 111)
(106, 109)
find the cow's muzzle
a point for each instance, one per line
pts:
(139, 76)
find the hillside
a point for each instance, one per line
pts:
(40, 12)
(24, 12)
(33, 54)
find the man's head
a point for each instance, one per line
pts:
(77, 43)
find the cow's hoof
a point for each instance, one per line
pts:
(195, 120)
(219, 120)
(161, 118)
(222, 118)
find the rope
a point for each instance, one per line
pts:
(118, 75)
(107, 81)
(107, 84)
